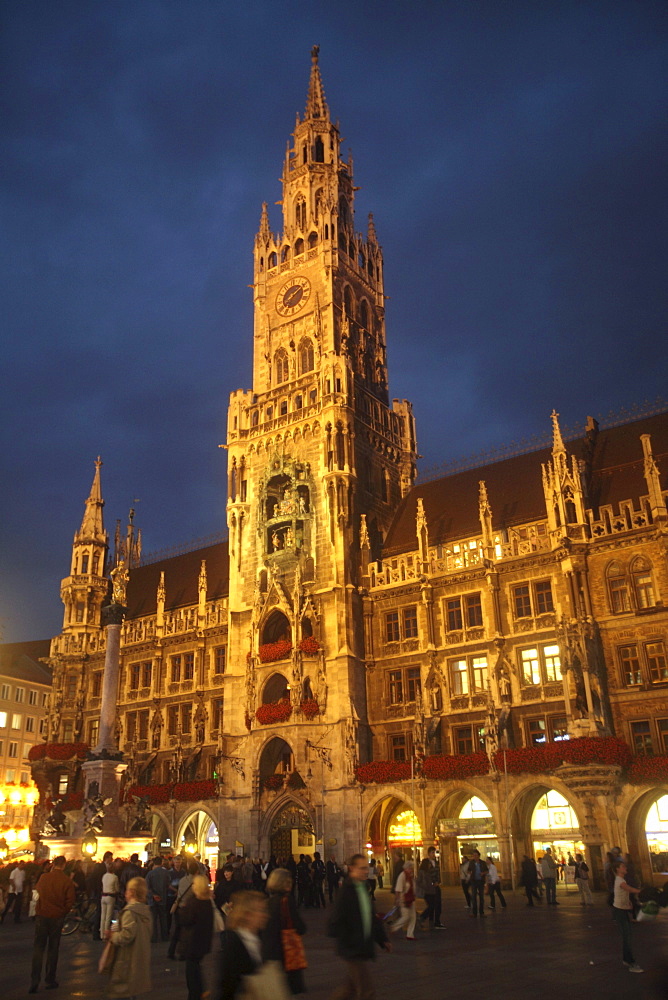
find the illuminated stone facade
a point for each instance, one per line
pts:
(355, 616)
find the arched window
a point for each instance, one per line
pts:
(343, 212)
(364, 314)
(299, 402)
(299, 247)
(273, 259)
(276, 628)
(255, 418)
(312, 240)
(304, 154)
(348, 302)
(262, 263)
(641, 574)
(318, 203)
(300, 212)
(343, 244)
(306, 360)
(351, 250)
(285, 253)
(319, 151)
(281, 367)
(283, 407)
(618, 588)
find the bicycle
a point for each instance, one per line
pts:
(81, 917)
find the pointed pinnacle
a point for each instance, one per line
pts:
(316, 104)
(557, 440)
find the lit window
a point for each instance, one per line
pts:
(479, 672)
(540, 664)
(459, 677)
(558, 728)
(644, 589)
(3, 720)
(536, 731)
(63, 782)
(93, 732)
(17, 721)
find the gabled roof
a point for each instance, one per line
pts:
(20, 661)
(515, 490)
(181, 580)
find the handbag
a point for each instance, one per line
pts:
(268, 983)
(107, 958)
(294, 956)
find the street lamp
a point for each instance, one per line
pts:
(89, 845)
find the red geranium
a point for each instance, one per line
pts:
(192, 791)
(58, 751)
(279, 650)
(444, 767)
(278, 711)
(381, 771)
(155, 794)
(273, 782)
(309, 645)
(648, 770)
(310, 708)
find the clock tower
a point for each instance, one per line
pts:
(318, 459)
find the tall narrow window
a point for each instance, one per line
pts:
(396, 687)
(410, 622)
(618, 588)
(459, 677)
(392, 626)
(306, 356)
(522, 599)
(188, 666)
(628, 656)
(641, 738)
(656, 661)
(281, 366)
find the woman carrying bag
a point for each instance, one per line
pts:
(131, 963)
(243, 974)
(281, 938)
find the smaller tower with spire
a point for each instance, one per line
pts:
(84, 590)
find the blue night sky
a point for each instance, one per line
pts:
(514, 156)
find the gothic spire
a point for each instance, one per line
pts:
(92, 525)
(557, 440)
(316, 104)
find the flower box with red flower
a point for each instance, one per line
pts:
(309, 645)
(310, 708)
(381, 771)
(58, 751)
(278, 650)
(443, 767)
(193, 791)
(274, 712)
(648, 770)
(273, 782)
(73, 801)
(154, 794)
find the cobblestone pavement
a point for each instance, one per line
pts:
(512, 954)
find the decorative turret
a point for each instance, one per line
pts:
(485, 514)
(84, 590)
(657, 501)
(562, 486)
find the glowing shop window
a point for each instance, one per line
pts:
(405, 828)
(475, 808)
(553, 812)
(656, 829)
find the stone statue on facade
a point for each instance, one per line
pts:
(93, 810)
(55, 824)
(138, 814)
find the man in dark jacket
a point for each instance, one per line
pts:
(356, 929)
(158, 883)
(477, 879)
(56, 898)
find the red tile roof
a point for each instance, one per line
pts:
(515, 491)
(181, 579)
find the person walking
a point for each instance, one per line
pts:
(241, 953)
(529, 879)
(224, 888)
(57, 894)
(158, 885)
(548, 869)
(464, 879)
(283, 915)
(405, 898)
(182, 894)
(131, 971)
(357, 930)
(333, 876)
(17, 878)
(110, 890)
(196, 919)
(621, 910)
(372, 880)
(494, 885)
(429, 877)
(380, 871)
(478, 877)
(582, 880)
(318, 874)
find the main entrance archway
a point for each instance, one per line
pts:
(291, 832)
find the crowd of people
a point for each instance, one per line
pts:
(255, 909)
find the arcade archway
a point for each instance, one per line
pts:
(656, 835)
(394, 827)
(464, 823)
(199, 835)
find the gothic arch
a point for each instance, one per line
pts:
(188, 817)
(634, 827)
(276, 625)
(276, 807)
(522, 801)
(275, 688)
(271, 754)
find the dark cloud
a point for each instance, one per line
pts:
(513, 155)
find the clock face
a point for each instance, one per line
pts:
(293, 296)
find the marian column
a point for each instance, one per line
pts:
(104, 768)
